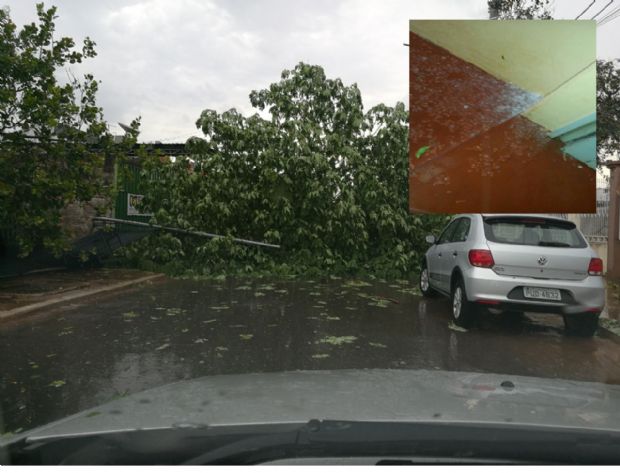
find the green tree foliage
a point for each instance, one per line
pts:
(315, 174)
(607, 108)
(52, 135)
(520, 9)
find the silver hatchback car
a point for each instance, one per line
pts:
(521, 263)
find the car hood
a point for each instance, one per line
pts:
(354, 395)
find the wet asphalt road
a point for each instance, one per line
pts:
(78, 356)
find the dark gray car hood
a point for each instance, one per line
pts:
(354, 395)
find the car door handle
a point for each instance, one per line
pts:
(454, 254)
(439, 254)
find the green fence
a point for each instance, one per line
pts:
(129, 190)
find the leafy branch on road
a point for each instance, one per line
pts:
(313, 172)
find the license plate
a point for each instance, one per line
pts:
(541, 293)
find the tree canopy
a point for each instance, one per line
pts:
(315, 173)
(520, 9)
(607, 108)
(52, 134)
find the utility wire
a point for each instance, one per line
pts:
(609, 21)
(587, 8)
(602, 10)
(609, 17)
(608, 14)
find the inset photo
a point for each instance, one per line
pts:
(502, 116)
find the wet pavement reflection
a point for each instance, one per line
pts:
(78, 356)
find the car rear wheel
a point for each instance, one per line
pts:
(425, 285)
(463, 311)
(583, 325)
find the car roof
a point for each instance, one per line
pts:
(552, 216)
(557, 217)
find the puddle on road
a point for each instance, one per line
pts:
(183, 329)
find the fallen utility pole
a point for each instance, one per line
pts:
(180, 230)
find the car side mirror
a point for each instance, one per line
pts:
(430, 239)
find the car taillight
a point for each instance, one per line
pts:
(481, 258)
(596, 267)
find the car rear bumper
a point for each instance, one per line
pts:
(486, 287)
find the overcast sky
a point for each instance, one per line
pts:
(168, 60)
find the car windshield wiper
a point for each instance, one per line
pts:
(255, 444)
(554, 243)
(463, 443)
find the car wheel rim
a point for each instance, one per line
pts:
(424, 280)
(457, 302)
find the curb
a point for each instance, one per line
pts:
(607, 333)
(73, 296)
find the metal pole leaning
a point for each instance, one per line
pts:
(180, 230)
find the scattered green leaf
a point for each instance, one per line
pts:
(356, 283)
(174, 311)
(421, 151)
(379, 303)
(338, 340)
(412, 290)
(456, 328)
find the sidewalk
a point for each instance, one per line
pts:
(23, 294)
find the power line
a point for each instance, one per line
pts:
(609, 17)
(610, 20)
(587, 8)
(602, 10)
(608, 14)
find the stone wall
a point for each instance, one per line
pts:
(77, 216)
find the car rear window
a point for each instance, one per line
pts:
(533, 231)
